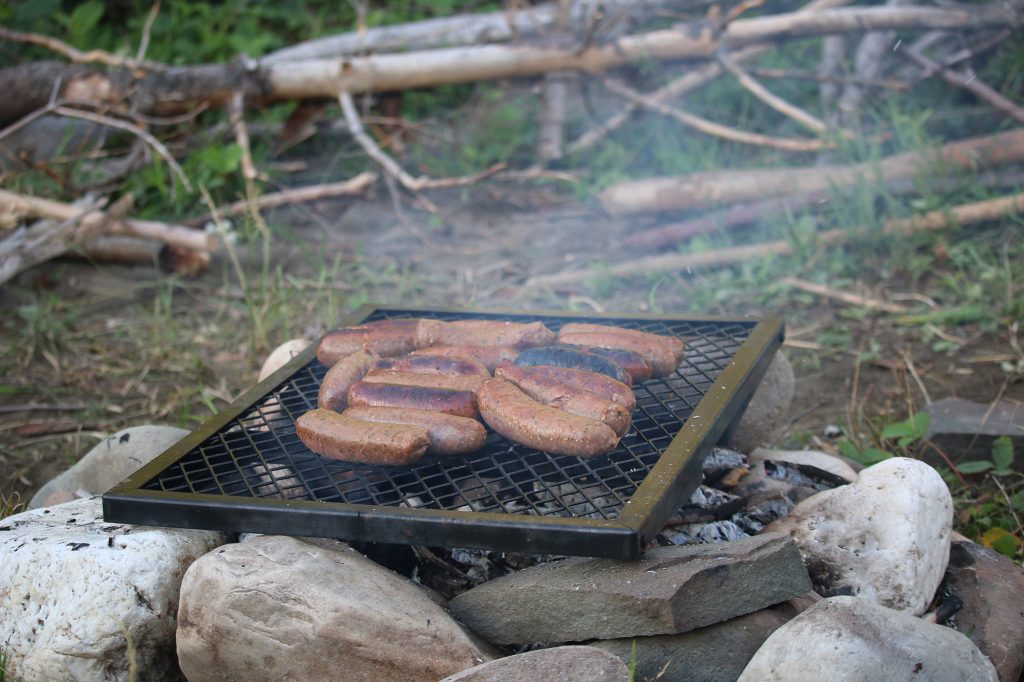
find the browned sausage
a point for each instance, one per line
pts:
(341, 437)
(456, 382)
(515, 415)
(591, 382)
(459, 403)
(661, 357)
(489, 356)
(635, 364)
(482, 333)
(449, 435)
(386, 338)
(424, 363)
(673, 344)
(546, 389)
(333, 393)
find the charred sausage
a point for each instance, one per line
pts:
(333, 393)
(489, 356)
(591, 382)
(386, 338)
(459, 403)
(664, 353)
(457, 382)
(482, 333)
(424, 363)
(547, 390)
(635, 364)
(563, 356)
(515, 415)
(346, 438)
(448, 434)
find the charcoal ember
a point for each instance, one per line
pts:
(704, 533)
(804, 475)
(707, 504)
(754, 519)
(450, 572)
(719, 462)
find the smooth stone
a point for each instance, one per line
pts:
(563, 663)
(813, 458)
(991, 587)
(765, 419)
(281, 608)
(966, 430)
(716, 653)
(669, 590)
(108, 463)
(280, 356)
(74, 591)
(848, 638)
(884, 538)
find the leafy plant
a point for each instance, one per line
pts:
(866, 456)
(910, 431)
(1000, 464)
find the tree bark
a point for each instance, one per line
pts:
(703, 190)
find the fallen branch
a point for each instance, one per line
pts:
(804, 118)
(717, 129)
(700, 190)
(46, 239)
(966, 214)
(74, 54)
(843, 296)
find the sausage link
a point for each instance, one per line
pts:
(386, 338)
(515, 415)
(635, 364)
(423, 363)
(563, 356)
(489, 356)
(673, 344)
(583, 380)
(333, 394)
(547, 390)
(456, 382)
(459, 403)
(482, 333)
(661, 359)
(337, 436)
(448, 434)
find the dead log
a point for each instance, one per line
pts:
(703, 190)
(29, 86)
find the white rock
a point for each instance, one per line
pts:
(846, 638)
(74, 590)
(280, 608)
(884, 538)
(108, 463)
(280, 356)
(815, 458)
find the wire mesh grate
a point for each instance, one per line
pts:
(258, 455)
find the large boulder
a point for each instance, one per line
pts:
(847, 638)
(562, 663)
(670, 590)
(884, 538)
(81, 599)
(282, 608)
(108, 463)
(765, 418)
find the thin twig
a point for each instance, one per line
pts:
(780, 105)
(298, 195)
(1009, 504)
(42, 407)
(76, 55)
(844, 296)
(917, 379)
(236, 112)
(156, 144)
(146, 29)
(889, 84)
(717, 129)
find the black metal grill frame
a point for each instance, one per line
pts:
(246, 471)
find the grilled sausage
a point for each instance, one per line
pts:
(547, 390)
(385, 338)
(448, 434)
(489, 356)
(563, 356)
(583, 380)
(515, 415)
(457, 382)
(342, 437)
(426, 363)
(482, 333)
(333, 393)
(664, 353)
(635, 364)
(459, 403)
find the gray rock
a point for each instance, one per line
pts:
(965, 430)
(81, 599)
(765, 419)
(717, 653)
(108, 463)
(670, 590)
(281, 608)
(812, 458)
(847, 638)
(884, 538)
(992, 590)
(563, 663)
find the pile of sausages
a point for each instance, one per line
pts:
(396, 390)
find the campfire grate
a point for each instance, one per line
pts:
(246, 470)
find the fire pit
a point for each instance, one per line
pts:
(246, 470)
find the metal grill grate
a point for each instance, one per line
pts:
(256, 456)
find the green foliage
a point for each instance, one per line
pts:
(866, 456)
(1000, 464)
(909, 431)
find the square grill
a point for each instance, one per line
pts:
(246, 470)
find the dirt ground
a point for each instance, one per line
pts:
(116, 346)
